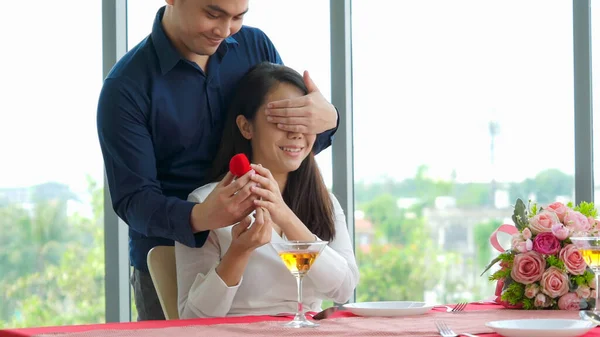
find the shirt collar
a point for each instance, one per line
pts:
(168, 56)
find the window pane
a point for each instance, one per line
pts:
(456, 115)
(51, 201)
(595, 9)
(140, 18)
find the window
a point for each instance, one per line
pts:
(51, 202)
(470, 106)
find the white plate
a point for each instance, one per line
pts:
(388, 309)
(541, 327)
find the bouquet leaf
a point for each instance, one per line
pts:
(500, 274)
(554, 261)
(506, 256)
(587, 209)
(519, 215)
(528, 303)
(493, 262)
(533, 209)
(514, 293)
(583, 280)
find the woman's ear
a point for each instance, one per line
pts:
(245, 126)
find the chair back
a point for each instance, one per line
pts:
(161, 263)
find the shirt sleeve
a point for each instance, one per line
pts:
(325, 139)
(335, 270)
(201, 292)
(130, 163)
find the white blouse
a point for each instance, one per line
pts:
(267, 287)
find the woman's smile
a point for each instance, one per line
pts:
(292, 151)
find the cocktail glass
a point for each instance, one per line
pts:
(298, 257)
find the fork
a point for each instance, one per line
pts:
(445, 330)
(460, 306)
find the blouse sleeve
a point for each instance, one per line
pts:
(200, 290)
(335, 271)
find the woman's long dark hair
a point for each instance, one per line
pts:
(305, 192)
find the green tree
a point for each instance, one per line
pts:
(32, 240)
(397, 272)
(383, 212)
(68, 289)
(547, 185)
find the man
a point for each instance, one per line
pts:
(160, 118)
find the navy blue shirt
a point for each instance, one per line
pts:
(160, 120)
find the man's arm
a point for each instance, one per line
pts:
(130, 163)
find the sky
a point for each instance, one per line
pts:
(428, 78)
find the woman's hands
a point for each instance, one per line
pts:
(245, 240)
(231, 201)
(269, 197)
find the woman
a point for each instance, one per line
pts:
(237, 272)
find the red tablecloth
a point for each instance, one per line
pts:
(200, 322)
(136, 325)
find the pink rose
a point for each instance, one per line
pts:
(561, 232)
(583, 291)
(531, 290)
(528, 267)
(593, 294)
(577, 222)
(569, 301)
(559, 209)
(526, 234)
(554, 282)
(546, 243)
(592, 283)
(542, 301)
(524, 246)
(573, 260)
(543, 222)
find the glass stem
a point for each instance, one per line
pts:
(597, 299)
(300, 312)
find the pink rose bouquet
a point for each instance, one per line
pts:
(543, 269)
